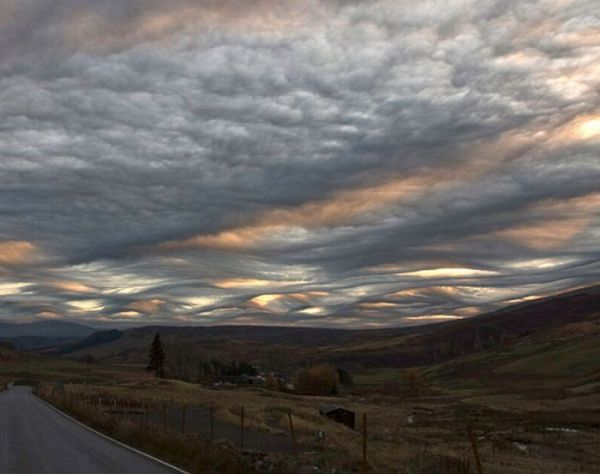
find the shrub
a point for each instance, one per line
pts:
(414, 381)
(273, 383)
(318, 380)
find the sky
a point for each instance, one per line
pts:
(334, 163)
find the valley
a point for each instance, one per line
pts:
(533, 402)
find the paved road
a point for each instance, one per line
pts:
(36, 439)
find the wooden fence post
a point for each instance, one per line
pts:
(364, 443)
(475, 449)
(183, 410)
(242, 415)
(292, 433)
(140, 414)
(210, 422)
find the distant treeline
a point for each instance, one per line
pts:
(184, 361)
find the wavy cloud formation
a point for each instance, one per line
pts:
(343, 163)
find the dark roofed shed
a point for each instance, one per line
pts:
(339, 414)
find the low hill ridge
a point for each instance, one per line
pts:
(399, 347)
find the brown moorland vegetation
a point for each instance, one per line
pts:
(533, 404)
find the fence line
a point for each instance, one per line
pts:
(197, 421)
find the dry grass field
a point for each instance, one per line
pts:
(523, 424)
(533, 404)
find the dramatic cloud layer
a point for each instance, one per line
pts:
(336, 163)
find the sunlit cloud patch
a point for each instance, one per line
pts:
(329, 163)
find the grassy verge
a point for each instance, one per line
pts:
(186, 452)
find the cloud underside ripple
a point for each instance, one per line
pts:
(321, 163)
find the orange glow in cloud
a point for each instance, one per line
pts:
(560, 221)
(335, 211)
(72, 286)
(242, 283)
(432, 290)
(7, 11)
(146, 306)
(16, 252)
(376, 305)
(474, 295)
(524, 299)
(410, 266)
(85, 306)
(263, 301)
(13, 288)
(538, 263)
(547, 235)
(410, 293)
(433, 317)
(583, 206)
(160, 22)
(49, 314)
(313, 310)
(317, 293)
(452, 272)
(348, 204)
(251, 283)
(590, 128)
(468, 311)
(200, 301)
(307, 296)
(585, 127)
(128, 314)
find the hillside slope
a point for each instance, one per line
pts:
(435, 343)
(63, 329)
(281, 347)
(42, 334)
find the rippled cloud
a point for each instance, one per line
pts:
(331, 163)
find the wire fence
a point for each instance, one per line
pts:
(201, 422)
(186, 419)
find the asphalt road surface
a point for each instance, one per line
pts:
(36, 439)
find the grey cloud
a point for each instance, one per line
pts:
(154, 137)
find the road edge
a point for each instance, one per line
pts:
(112, 440)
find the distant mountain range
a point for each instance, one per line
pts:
(40, 334)
(284, 347)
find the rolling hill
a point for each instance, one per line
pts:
(41, 334)
(561, 316)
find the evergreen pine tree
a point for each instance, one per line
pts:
(157, 358)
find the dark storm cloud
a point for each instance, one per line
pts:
(245, 162)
